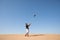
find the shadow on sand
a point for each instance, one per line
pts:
(37, 35)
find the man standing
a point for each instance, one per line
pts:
(27, 29)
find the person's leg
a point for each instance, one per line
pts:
(27, 32)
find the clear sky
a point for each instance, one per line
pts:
(15, 13)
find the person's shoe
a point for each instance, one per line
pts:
(25, 35)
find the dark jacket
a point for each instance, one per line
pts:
(27, 26)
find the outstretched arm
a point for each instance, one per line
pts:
(29, 24)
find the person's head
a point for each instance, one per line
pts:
(27, 24)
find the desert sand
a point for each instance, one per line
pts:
(31, 37)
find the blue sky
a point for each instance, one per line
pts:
(15, 13)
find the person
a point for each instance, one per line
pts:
(27, 29)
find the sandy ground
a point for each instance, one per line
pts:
(31, 37)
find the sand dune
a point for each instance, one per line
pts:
(31, 37)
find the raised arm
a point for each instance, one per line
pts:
(29, 24)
